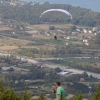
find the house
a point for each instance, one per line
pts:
(90, 31)
(78, 30)
(67, 43)
(85, 41)
(95, 33)
(63, 73)
(89, 37)
(47, 33)
(87, 44)
(5, 68)
(15, 69)
(16, 81)
(82, 79)
(13, 33)
(61, 31)
(85, 31)
(68, 38)
(74, 33)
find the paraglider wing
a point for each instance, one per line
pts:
(60, 10)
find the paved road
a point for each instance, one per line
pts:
(74, 71)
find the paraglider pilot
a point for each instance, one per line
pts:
(55, 37)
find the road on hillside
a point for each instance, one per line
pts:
(74, 71)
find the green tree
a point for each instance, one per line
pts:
(97, 95)
(27, 96)
(9, 94)
(57, 69)
(73, 28)
(51, 27)
(78, 97)
(41, 97)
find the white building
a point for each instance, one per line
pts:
(78, 30)
(68, 38)
(95, 33)
(63, 73)
(85, 31)
(90, 31)
(87, 44)
(67, 43)
(85, 41)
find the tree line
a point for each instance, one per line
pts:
(62, 51)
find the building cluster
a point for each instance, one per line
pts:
(93, 30)
(88, 32)
(14, 2)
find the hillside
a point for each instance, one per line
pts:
(30, 13)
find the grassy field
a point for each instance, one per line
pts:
(15, 42)
(10, 45)
(46, 47)
(8, 48)
(4, 28)
(46, 26)
(38, 40)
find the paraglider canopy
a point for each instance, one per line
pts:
(59, 10)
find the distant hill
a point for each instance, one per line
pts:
(31, 14)
(90, 4)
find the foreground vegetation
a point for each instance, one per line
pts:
(8, 94)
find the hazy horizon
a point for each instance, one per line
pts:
(89, 4)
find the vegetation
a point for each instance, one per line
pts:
(41, 97)
(30, 13)
(97, 95)
(39, 75)
(62, 50)
(88, 64)
(9, 94)
(78, 97)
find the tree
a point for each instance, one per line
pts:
(73, 28)
(97, 95)
(11, 70)
(41, 97)
(27, 96)
(78, 97)
(57, 70)
(9, 94)
(51, 27)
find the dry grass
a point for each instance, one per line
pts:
(87, 34)
(12, 45)
(32, 32)
(8, 48)
(46, 26)
(43, 37)
(4, 28)
(15, 43)
(45, 47)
